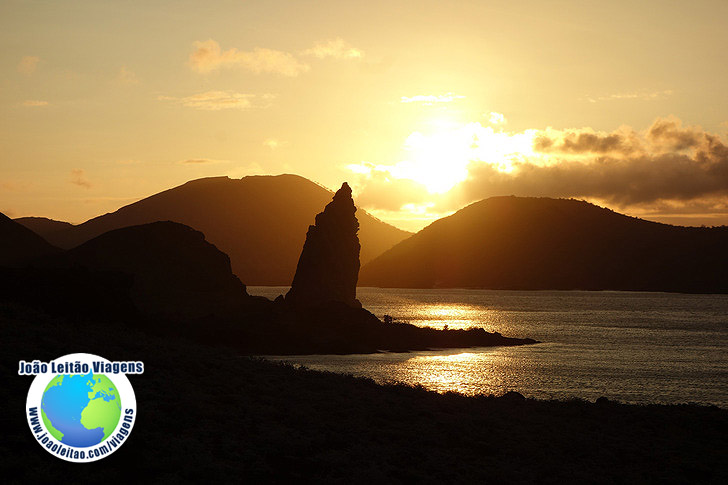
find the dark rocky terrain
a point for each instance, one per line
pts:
(205, 414)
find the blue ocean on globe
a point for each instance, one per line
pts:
(64, 405)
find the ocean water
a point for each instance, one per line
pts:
(634, 347)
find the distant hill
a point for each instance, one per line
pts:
(259, 221)
(44, 227)
(19, 245)
(542, 243)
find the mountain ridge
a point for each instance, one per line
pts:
(527, 243)
(259, 221)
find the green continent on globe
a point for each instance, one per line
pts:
(103, 408)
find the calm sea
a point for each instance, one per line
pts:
(632, 347)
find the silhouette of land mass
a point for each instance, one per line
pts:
(259, 221)
(166, 279)
(19, 245)
(541, 243)
(44, 227)
(207, 415)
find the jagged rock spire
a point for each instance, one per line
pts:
(328, 268)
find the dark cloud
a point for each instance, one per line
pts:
(574, 142)
(668, 134)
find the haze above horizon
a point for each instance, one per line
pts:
(424, 107)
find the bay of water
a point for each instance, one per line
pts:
(634, 347)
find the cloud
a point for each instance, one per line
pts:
(78, 177)
(496, 118)
(429, 99)
(202, 161)
(274, 143)
(643, 96)
(28, 65)
(207, 56)
(668, 162)
(334, 48)
(34, 103)
(667, 165)
(377, 188)
(587, 141)
(214, 100)
(127, 76)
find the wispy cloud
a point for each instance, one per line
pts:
(274, 143)
(428, 99)
(78, 177)
(335, 48)
(214, 100)
(643, 96)
(28, 65)
(207, 56)
(127, 76)
(35, 103)
(202, 161)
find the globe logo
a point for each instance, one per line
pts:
(81, 410)
(81, 407)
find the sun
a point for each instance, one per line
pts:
(439, 159)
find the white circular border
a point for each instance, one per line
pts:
(123, 387)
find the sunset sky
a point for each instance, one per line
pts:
(421, 106)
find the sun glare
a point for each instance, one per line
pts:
(439, 159)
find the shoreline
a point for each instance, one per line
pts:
(207, 414)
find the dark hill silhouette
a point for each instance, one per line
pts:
(259, 221)
(44, 227)
(542, 243)
(175, 270)
(166, 279)
(19, 245)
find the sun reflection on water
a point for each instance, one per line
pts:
(454, 371)
(458, 316)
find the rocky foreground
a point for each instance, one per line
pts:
(205, 414)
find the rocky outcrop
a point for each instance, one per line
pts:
(175, 270)
(328, 268)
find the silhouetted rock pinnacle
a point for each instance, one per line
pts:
(328, 268)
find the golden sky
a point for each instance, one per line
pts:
(422, 106)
